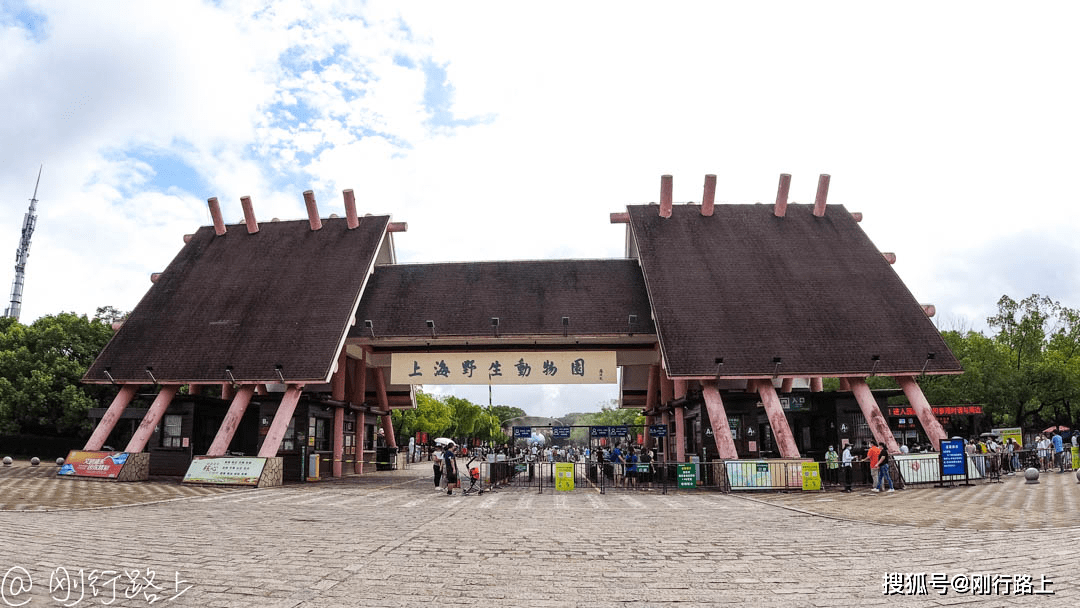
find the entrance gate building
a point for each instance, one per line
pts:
(712, 304)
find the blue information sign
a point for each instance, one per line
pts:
(617, 431)
(522, 432)
(953, 461)
(658, 430)
(598, 431)
(560, 432)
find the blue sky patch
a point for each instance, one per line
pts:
(439, 99)
(16, 13)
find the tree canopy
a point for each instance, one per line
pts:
(449, 417)
(40, 368)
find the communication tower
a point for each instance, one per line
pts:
(22, 253)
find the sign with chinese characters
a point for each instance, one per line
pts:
(686, 475)
(658, 430)
(564, 476)
(811, 476)
(583, 367)
(945, 410)
(599, 431)
(231, 470)
(794, 403)
(522, 432)
(93, 464)
(560, 432)
(952, 457)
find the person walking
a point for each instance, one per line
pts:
(883, 470)
(436, 465)
(846, 460)
(1059, 452)
(872, 456)
(450, 469)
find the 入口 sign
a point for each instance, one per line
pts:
(581, 367)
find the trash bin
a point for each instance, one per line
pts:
(384, 459)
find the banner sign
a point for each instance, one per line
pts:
(617, 431)
(658, 430)
(564, 476)
(522, 432)
(1005, 434)
(560, 432)
(952, 457)
(599, 431)
(686, 475)
(226, 471)
(811, 476)
(582, 367)
(946, 410)
(93, 464)
(794, 404)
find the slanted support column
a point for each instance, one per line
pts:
(777, 420)
(108, 421)
(232, 421)
(714, 405)
(384, 404)
(272, 441)
(874, 418)
(929, 421)
(337, 393)
(152, 417)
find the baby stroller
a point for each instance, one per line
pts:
(474, 480)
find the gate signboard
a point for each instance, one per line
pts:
(525, 367)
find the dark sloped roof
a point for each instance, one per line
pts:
(747, 286)
(529, 297)
(283, 296)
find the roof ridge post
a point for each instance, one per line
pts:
(780, 208)
(822, 194)
(312, 210)
(709, 195)
(665, 195)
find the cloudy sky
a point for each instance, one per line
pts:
(511, 130)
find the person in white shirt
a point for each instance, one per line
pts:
(846, 461)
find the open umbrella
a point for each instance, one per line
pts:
(1056, 428)
(443, 441)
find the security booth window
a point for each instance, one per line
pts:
(322, 435)
(170, 438)
(288, 443)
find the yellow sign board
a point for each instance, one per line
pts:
(579, 367)
(564, 476)
(811, 476)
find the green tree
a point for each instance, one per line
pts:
(506, 412)
(40, 368)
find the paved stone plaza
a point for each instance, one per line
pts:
(388, 539)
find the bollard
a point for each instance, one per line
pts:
(1031, 475)
(59, 462)
(1078, 476)
(35, 461)
(7, 461)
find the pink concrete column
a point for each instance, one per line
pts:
(777, 420)
(351, 218)
(929, 421)
(215, 215)
(339, 440)
(680, 434)
(249, 214)
(384, 404)
(874, 418)
(714, 405)
(665, 195)
(337, 380)
(312, 210)
(780, 207)
(786, 384)
(227, 391)
(359, 390)
(845, 385)
(231, 422)
(822, 195)
(152, 417)
(708, 195)
(816, 385)
(272, 441)
(108, 421)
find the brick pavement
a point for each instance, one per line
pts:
(390, 540)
